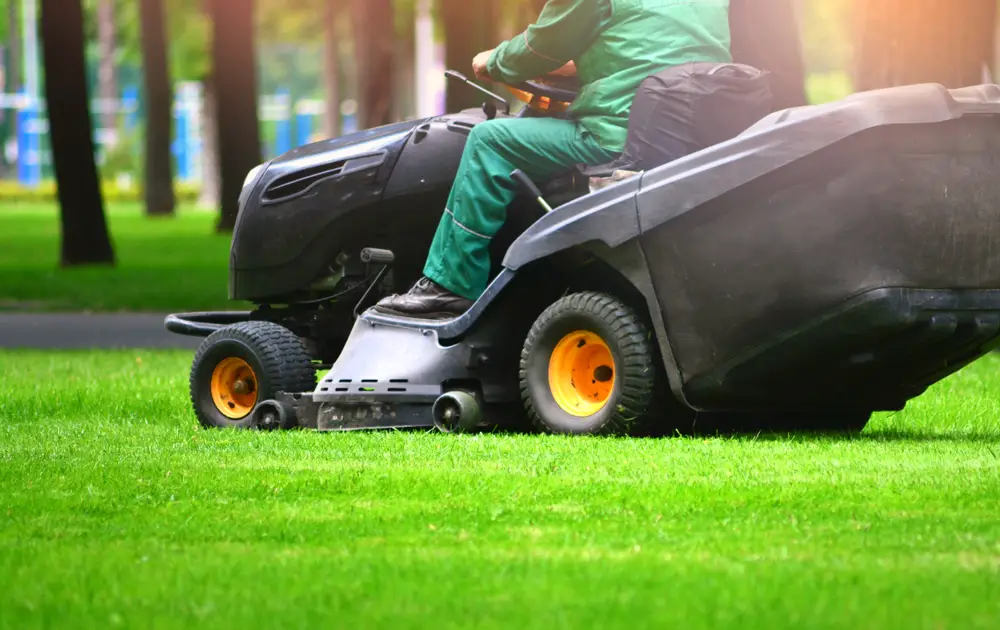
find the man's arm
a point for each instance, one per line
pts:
(564, 31)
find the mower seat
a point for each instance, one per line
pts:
(685, 109)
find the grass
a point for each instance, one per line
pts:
(166, 264)
(118, 512)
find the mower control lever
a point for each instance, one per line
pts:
(374, 256)
(458, 76)
(529, 187)
(371, 255)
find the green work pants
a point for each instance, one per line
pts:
(459, 258)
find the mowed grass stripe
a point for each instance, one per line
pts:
(119, 511)
(164, 264)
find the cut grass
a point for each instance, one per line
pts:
(164, 264)
(119, 512)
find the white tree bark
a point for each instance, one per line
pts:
(210, 177)
(107, 79)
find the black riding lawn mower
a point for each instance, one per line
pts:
(799, 269)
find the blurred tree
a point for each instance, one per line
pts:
(158, 189)
(107, 78)
(765, 34)
(331, 74)
(211, 184)
(374, 47)
(405, 64)
(904, 42)
(84, 228)
(189, 27)
(234, 72)
(826, 35)
(469, 28)
(12, 36)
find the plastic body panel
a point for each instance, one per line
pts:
(893, 190)
(390, 193)
(432, 153)
(756, 247)
(279, 247)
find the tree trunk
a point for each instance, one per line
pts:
(404, 65)
(765, 35)
(14, 82)
(8, 117)
(84, 229)
(159, 185)
(210, 184)
(234, 70)
(331, 19)
(904, 42)
(468, 31)
(107, 80)
(373, 43)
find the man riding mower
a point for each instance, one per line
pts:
(800, 269)
(612, 46)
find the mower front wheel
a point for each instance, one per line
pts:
(587, 367)
(243, 364)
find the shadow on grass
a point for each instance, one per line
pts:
(832, 427)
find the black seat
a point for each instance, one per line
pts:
(687, 108)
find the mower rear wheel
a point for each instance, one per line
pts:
(587, 367)
(241, 365)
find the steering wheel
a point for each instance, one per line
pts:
(552, 95)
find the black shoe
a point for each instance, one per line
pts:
(426, 300)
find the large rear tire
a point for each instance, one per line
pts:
(587, 367)
(240, 365)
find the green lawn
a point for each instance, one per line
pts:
(118, 512)
(165, 264)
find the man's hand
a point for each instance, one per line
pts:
(569, 70)
(479, 65)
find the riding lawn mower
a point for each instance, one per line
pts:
(809, 267)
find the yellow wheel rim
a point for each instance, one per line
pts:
(581, 374)
(234, 388)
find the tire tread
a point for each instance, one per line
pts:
(636, 361)
(282, 354)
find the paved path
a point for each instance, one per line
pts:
(70, 331)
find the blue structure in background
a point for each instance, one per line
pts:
(181, 149)
(303, 128)
(349, 124)
(283, 126)
(29, 161)
(295, 124)
(130, 100)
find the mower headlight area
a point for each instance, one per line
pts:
(252, 174)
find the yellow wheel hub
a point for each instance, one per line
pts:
(234, 388)
(581, 374)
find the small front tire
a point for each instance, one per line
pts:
(243, 364)
(587, 367)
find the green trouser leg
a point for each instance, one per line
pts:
(459, 258)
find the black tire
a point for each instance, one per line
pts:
(634, 372)
(277, 357)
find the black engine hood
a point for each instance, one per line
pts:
(346, 146)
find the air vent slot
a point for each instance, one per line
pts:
(461, 126)
(296, 183)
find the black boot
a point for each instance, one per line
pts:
(426, 300)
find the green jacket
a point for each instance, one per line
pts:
(615, 44)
